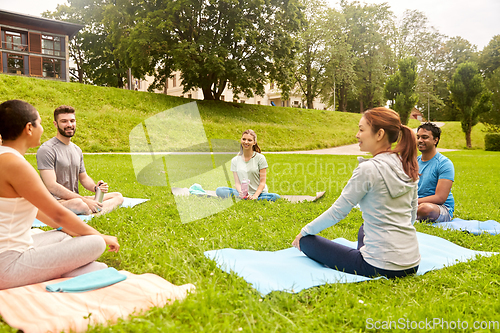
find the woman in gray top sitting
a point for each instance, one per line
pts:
(249, 169)
(385, 187)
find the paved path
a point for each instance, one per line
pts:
(342, 150)
(347, 150)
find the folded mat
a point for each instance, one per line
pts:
(127, 203)
(32, 309)
(90, 281)
(473, 226)
(185, 191)
(292, 198)
(290, 270)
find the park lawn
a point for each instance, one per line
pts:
(106, 116)
(154, 240)
(452, 136)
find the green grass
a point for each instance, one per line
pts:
(154, 240)
(452, 136)
(106, 116)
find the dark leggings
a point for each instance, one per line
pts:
(344, 258)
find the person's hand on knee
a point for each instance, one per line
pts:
(296, 241)
(94, 206)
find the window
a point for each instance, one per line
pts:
(271, 85)
(190, 96)
(51, 68)
(222, 98)
(15, 64)
(13, 41)
(174, 81)
(51, 45)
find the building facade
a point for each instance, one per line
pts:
(35, 46)
(272, 95)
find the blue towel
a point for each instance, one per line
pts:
(290, 270)
(90, 281)
(127, 203)
(196, 189)
(473, 226)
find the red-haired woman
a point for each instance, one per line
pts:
(385, 187)
(248, 167)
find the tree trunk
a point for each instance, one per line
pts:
(220, 90)
(468, 140)
(361, 106)
(309, 92)
(207, 93)
(310, 104)
(343, 98)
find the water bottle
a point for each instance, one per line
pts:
(99, 195)
(244, 187)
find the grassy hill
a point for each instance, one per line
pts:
(105, 117)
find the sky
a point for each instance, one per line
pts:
(475, 20)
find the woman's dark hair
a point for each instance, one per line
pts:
(406, 147)
(14, 115)
(256, 146)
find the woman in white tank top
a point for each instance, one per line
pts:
(27, 259)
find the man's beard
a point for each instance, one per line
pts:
(63, 133)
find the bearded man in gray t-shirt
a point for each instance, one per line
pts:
(61, 166)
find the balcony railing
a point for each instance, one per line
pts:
(15, 46)
(11, 46)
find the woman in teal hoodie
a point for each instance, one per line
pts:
(385, 187)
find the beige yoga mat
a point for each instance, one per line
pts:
(32, 309)
(292, 198)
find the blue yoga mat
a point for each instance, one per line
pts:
(290, 270)
(473, 226)
(127, 203)
(86, 282)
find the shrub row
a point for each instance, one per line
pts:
(492, 141)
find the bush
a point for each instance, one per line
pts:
(492, 141)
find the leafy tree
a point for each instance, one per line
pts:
(213, 43)
(489, 61)
(96, 49)
(366, 30)
(317, 37)
(448, 57)
(339, 77)
(412, 35)
(400, 88)
(491, 119)
(469, 95)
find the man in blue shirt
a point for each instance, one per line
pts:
(437, 173)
